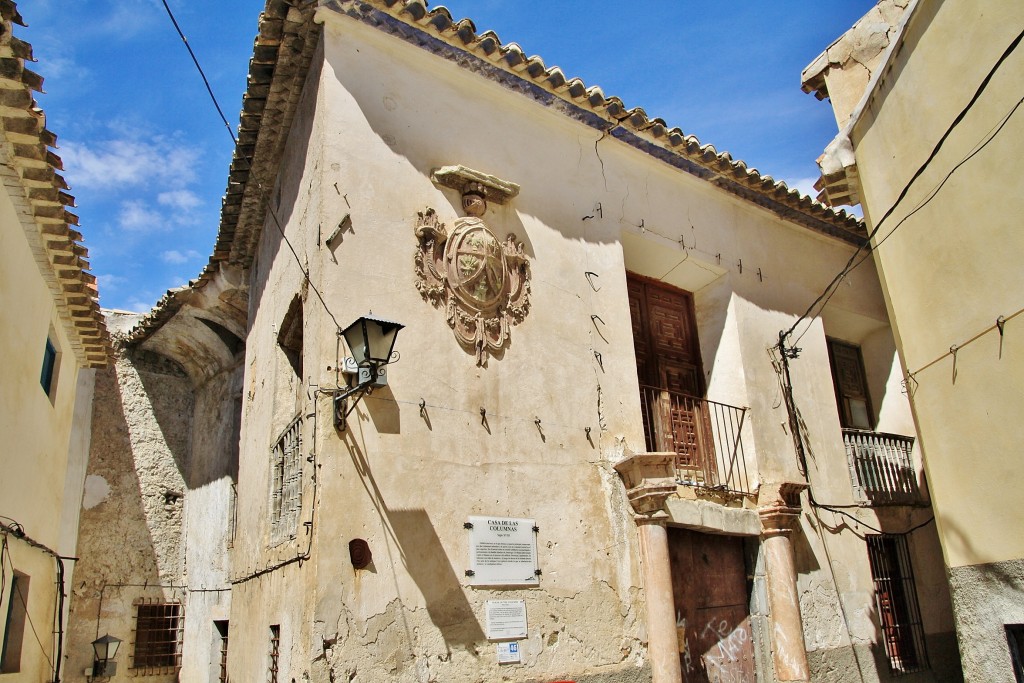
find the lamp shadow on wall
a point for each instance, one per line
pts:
(427, 563)
(423, 556)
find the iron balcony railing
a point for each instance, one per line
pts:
(706, 436)
(882, 467)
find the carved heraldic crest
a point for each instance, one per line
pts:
(482, 283)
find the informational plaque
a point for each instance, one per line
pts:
(506, 619)
(508, 653)
(502, 552)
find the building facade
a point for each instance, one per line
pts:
(925, 155)
(588, 460)
(52, 337)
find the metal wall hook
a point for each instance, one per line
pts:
(599, 358)
(1001, 325)
(596, 317)
(953, 349)
(598, 211)
(590, 275)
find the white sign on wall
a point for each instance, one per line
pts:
(505, 619)
(508, 653)
(502, 552)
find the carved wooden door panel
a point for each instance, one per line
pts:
(709, 583)
(669, 368)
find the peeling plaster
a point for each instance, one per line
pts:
(96, 491)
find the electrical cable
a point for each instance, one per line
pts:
(830, 288)
(931, 195)
(259, 185)
(200, 69)
(16, 588)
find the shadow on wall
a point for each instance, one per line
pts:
(113, 500)
(423, 556)
(156, 373)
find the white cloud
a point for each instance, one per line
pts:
(176, 257)
(137, 305)
(805, 186)
(136, 216)
(127, 162)
(183, 200)
(110, 282)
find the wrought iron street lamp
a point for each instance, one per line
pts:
(372, 342)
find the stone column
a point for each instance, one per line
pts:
(650, 480)
(779, 512)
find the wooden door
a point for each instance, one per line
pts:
(709, 584)
(669, 369)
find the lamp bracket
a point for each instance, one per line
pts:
(376, 376)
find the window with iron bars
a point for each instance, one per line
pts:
(896, 601)
(221, 642)
(286, 482)
(275, 652)
(157, 636)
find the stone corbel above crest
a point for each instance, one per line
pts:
(481, 282)
(460, 178)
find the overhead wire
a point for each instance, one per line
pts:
(16, 588)
(259, 185)
(852, 263)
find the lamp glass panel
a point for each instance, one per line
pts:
(381, 338)
(355, 337)
(106, 647)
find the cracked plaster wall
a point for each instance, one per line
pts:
(130, 531)
(853, 58)
(160, 475)
(405, 479)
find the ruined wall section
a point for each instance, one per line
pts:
(130, 539)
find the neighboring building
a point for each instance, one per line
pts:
(929, 135)
(51, 337)
(590, 323)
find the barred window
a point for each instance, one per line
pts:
(158, 632)
(221, 643)
(275, 652)
(286, 482)
(896, 601)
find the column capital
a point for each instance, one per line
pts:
(650, 478)
(779, 507)
(778, 521)
(658, 518)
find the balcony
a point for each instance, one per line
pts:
(882, 468)
(706, 436)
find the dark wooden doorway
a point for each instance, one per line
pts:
(671, 378)
(709, 584)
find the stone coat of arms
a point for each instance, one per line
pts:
(482, 283)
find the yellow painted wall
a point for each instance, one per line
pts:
(40, 484)
(952, 268)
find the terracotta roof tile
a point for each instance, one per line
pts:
(27, 145)
(283, 52)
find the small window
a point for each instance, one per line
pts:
(896, 601)
(220, 631)
(850, 384)
(289, 337)
(47, 378)
(14, 624)
(275, 653)
(158, 630)
(1015, 637)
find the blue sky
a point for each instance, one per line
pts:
(147, 156)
